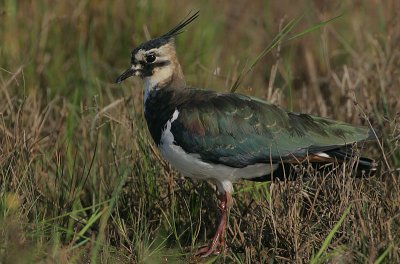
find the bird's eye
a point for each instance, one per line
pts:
(150, 58)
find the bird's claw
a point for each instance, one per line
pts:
(206, 251)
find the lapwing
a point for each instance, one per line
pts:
(227, 137)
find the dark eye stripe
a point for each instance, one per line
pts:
(149, 68)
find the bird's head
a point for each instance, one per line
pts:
(155, 60)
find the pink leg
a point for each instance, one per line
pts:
(218, 242)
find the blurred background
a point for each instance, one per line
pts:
(75, 49)
(82, 181)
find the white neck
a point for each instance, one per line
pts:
(159, 77)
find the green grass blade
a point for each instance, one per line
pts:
(381, 258)
(278, 38)
(315, 27)
(93, 218)
(328, 239)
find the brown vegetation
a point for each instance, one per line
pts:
(80, 178)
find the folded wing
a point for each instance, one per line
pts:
(238, 130)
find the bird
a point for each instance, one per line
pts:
(225, 137)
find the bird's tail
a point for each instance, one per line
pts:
(322, 162)
(362, 165)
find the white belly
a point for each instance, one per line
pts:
(191, 165)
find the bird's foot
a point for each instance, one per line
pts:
(206, 251)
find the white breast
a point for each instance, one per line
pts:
(192, 166)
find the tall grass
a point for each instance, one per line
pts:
(81, 180)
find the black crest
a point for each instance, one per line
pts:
(178, 29)
(164, 39)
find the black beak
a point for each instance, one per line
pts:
(128, 73)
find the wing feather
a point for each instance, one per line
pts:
(238, 130)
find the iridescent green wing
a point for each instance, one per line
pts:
(238, 130)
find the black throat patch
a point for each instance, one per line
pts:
(159, 108)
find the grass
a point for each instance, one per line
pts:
(81, 180)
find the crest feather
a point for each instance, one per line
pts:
(178, 29)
